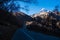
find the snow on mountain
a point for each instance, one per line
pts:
(42, 12)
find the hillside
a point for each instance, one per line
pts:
(10, 22)
(45, 22)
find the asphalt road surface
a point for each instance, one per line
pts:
(24, 34)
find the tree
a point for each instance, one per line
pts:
(9, 5)
(56, 8)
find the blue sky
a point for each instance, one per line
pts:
(48, 4)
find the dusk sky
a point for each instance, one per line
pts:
(47, 4)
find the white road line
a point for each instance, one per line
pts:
(28, 35)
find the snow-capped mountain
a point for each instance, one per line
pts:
(42, 12)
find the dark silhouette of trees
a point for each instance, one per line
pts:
(56, 9)
(10, 6)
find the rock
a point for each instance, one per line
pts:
(45, 22)
(42, 15)
(58, 24)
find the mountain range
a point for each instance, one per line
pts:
(45, 22)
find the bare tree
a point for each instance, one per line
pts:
(4, 4)
(56, 8)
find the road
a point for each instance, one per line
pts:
(24, 34)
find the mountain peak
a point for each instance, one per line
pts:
(43, 10)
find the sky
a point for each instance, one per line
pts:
(35, 8)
